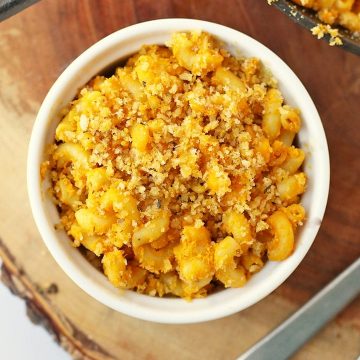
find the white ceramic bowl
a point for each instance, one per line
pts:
(120, 45)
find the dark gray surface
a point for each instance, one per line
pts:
(11, 7)
(287, 338)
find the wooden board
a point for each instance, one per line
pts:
(35, 47)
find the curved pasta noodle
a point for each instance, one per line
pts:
(236, 224)
(271, 122)
(226, 269)
(344, 5)
(290, 118)
(92, 222)
(120, 273)
(282, 244)
(295, 213)
(124, 205)
(279, 153)
(350, 20)
(286, 137)
(67, 192)
(66, 128)
(71, 153)
(172, 284)
(292, 186)
(155, 260)
(130, 84)
(205, 59)
(94, 243)
(195, 257)
(251, 262)
(225, 77)
(96, 179)
(295, 158)
(152, 230)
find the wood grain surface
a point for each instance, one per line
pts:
(36, 46)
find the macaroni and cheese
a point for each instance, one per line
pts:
(179, 171)
(343, 12)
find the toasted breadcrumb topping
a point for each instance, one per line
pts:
(169, 170)
(320, 30)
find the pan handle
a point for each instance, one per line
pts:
(11, 7)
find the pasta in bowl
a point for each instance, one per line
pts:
(179, 172)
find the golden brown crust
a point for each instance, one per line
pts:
(147, 162)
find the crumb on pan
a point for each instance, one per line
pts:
(345, 13)
(320, 30)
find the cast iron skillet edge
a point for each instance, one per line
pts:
(308, 20)
(11, 7)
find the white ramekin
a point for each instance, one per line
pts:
(120, 45)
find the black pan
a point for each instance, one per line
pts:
(299, 14)
(307, 18)
(11, 7)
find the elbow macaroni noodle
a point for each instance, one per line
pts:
(179, 171)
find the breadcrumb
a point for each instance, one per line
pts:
(163, 166)
(320, 30)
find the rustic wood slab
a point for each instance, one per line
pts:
(36, 46)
